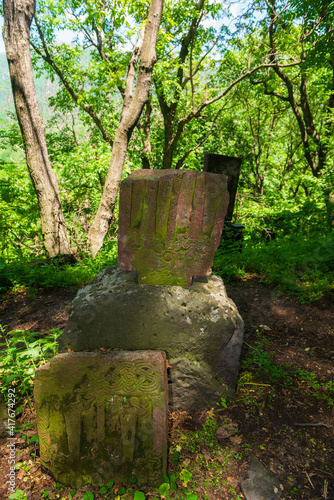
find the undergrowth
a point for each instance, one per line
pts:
(260, 366)
(50, 274)
(21, 353)
(302, 266)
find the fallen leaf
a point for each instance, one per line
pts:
(206, 454)
(236, 439)
(21, 474)
(226, 431)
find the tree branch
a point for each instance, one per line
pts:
(85, 106)
(180, 162)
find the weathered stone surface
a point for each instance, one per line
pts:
(199, 328)
(103, 416)
(261, 483)
(170, 224)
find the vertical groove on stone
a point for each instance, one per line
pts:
(177, 183)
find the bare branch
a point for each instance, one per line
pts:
(85, 106)
(214, 121)
(192, 74)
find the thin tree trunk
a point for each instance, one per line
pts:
(146, 128)
(18, 15)
(132, 108)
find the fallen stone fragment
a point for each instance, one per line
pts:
(261, 483)
(103, 417)
(225, 431)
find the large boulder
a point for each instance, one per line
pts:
(199, 328)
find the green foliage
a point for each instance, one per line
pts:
(222, 403)
(300, 265)
(139, 495)
(22, 352)
(18, 495)
(88, 496)
(51, 273)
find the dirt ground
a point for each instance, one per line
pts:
(289, 428)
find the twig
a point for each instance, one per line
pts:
(254, 383)
(308, 477)
(325, 489)
(317, 424)
(324, 472)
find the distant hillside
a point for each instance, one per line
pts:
(6, 99)
(44, 88)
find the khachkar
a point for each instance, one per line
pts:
(170, 224)
(103, 416)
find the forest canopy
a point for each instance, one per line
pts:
(254, 81)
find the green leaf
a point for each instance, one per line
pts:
(18, 495)
(33, 439)
(139, 495)
(164, 489)
(121, 491)
(88, 496)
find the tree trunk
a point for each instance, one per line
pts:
(132, 108)
(18, 15)
(146, 152)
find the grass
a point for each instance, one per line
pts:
(303, 266)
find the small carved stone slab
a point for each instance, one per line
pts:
(103, 416)
(170, 224)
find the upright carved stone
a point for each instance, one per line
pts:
(103, 416)
(170, 224)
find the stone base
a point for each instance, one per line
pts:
(199, 328)
(103, 417)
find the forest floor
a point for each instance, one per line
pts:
(281, 413)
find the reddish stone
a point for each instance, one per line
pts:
(170, 224)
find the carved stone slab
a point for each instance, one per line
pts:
(103, 416)
(170, 224)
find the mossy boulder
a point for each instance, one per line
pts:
(199, 328)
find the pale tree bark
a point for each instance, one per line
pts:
(18, 15)
(134, 101)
